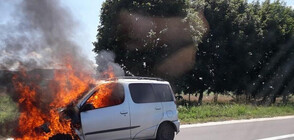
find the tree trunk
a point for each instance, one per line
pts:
(189, 99)
(215, 97)
(200, 98)
(254, 99)
(263, 101)
(248, 98)
(285, 99)
(273, 99)
(238, 98)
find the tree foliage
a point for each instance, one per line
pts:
(249, 50)
(147, 35)
(245, 48)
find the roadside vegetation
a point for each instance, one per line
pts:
(8, 114)
(221, 112)
(227, 108)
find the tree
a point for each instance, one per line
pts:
(247, 50)
(271, 70)
(222, 58)
(241, 47)
(150, 37)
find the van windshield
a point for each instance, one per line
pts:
(103, 95)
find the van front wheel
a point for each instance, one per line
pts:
(165, 132)
(61, 137)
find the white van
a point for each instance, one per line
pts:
(139, 108)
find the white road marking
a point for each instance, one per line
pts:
(279, 137)
(235, 121)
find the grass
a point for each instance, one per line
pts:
(8, 114)
(220, 112)
(8, 109)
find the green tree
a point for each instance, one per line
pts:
(222, 58)
(248, 50)
(151, 37)
(272, 65)
(146, 35)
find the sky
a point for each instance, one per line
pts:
(288, 2)
(86, 14)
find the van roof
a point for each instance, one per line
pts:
(138, 78)
(133, 79)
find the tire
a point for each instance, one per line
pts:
(165, 132)
(61, 137)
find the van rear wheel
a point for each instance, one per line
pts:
(165, 132)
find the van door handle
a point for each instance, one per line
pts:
(123, 112)
(157, 108)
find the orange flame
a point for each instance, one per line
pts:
(67, 86)
(102, 97)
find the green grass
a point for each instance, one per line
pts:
(221, 112)
(8, 114)
(8, 109)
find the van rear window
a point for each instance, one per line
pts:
(143, 93)
(164, 92)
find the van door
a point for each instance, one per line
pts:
(105, 115)
(168, 101)
(146, 110)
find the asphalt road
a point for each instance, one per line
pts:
(281, 128)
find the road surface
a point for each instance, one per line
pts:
(280, 128)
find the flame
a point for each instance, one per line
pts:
(67, 85)
(31, 116)
(109, 73)
(102, 97)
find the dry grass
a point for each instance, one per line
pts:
(209, 98)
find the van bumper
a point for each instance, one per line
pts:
(177, 124)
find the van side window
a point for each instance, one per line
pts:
(106, 95)
(143, 93)
(164, 92)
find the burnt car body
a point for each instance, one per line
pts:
(139, 108)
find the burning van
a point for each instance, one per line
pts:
(123, 108)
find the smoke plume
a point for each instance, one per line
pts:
(105, 61)
(39, 37)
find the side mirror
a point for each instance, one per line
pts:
(87, 107)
